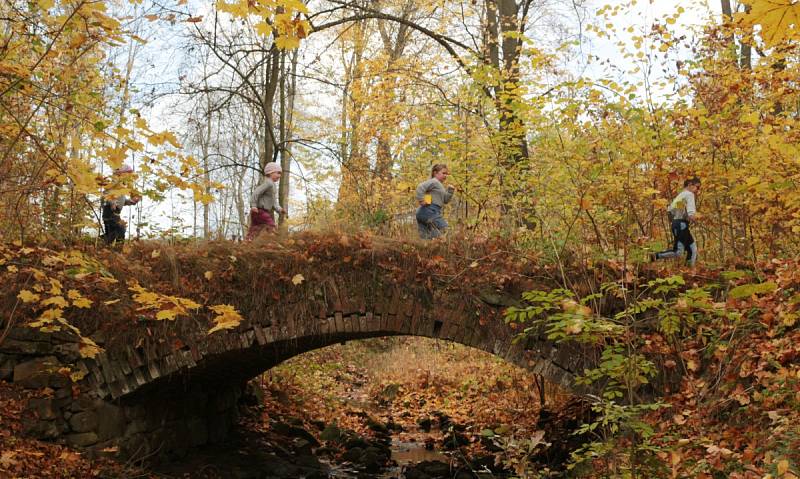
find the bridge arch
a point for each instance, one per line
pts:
(163, 387)
(173, 397)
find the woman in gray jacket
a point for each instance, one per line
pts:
(431, 197)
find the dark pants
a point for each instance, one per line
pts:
(430, 222)
(115, 230)
(682, 241)
(261, 221)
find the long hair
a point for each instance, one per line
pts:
(437, 168)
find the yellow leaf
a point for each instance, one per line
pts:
(55, 301)
(168, 314)
(208, 275)
(227, 317)
(12, 269)
(284, 42)
(155, 254)
(88, 348)
(297, 279)
(692, 365)
(27, 297)
(778, 19)
(111, 301)
(50, 315)
(82, 303)
(783, 466)
(55, 286)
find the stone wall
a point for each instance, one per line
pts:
(150, 428)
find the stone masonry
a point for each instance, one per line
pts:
(156, 399)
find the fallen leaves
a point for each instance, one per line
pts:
(21, 456)
(227, 317)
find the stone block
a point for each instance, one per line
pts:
(84, 421)
(82, 403)
(110, 422)
(7, 367)
(32, 348)
(44, 408)
(83, 439)
(63, 392)
(36, 374)
(68, 352)
(40, 429)
(135, 426)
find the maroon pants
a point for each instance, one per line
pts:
(261, 221)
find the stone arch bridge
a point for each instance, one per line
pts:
(159, 388)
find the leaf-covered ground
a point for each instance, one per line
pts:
(737, 411)
(22, 457)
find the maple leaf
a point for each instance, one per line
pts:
(168, 314)
(285, 42)
(227, 317)
(208, 275)
(55, 301)
(84, 303)
(297, 279)
(55, 286)
(27, 297)
(88, 348)
(779, 19)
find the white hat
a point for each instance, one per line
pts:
(271, 167)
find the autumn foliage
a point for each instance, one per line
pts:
(564, 174)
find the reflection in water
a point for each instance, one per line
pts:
(411, 452)
(404, 453)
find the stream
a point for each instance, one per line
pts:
(404, 453)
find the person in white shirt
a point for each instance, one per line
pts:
(683, 212)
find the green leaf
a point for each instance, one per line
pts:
(732, 275)
(747, 290)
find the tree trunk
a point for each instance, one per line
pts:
(284, 187)
(502, 25)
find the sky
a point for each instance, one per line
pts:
(160, 62)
